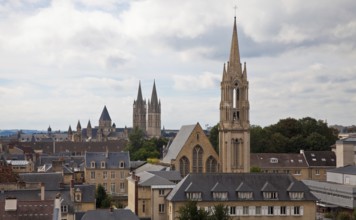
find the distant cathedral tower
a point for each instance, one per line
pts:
(234, 125)
(154, 115)
(147, 117)
(139, 111)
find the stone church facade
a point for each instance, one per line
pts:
(147, 116)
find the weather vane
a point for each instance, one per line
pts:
(235, 7)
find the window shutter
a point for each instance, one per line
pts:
(288, 210)
(301, 210)
(277, 210)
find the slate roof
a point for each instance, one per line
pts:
(149, 179)
(178, 142)
(105, 115)
(51, 180)
(150, 167)
(169, 175)
(320, 158)
(287, 160)
(344, 170)
(258, 182)
(107, 215)
(112, 159)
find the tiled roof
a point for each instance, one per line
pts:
(277, 160)
(149, 179)
(39, 210)
(178, 142)
(51, 180)
(169, 175)
(258, 182)
(320, 158)
(107, 215)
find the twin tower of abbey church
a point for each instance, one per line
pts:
(146, 116)
(234, 124)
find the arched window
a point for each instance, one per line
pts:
(184, 166)
(197, 159)
(211, 165)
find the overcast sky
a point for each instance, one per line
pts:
(62, 60)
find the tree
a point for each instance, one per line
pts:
(214, 137)
(343, 216)
(255, 170)
(190, 212)
(221, 212)
(102, 199)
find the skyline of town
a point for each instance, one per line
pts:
(58, 69)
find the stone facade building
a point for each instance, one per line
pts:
(234, 125)
(147, 117)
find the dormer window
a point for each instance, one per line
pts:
(220, 195)
(194, 196)
(78, 195)
(270, 195)
(92, 164)
(296, 195)
(273, 160)
(102, 164)
(122, 164)
(244, 195)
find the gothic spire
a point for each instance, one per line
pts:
(234, 52)
(79, 126)
(154, 99)
(139, 94)
(105, 115)
(89, 124)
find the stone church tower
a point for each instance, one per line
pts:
(147, 117)
(139, 111)
(234, 125)
(154, 115)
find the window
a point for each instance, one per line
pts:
(143, 207)
(258, 210)
(296, 195)
(270, 195)
(244, 195)
(102, 164)
(92, 164)
(197, 159)
(211, 165)
(283, 210)
(161, 208)
(245, 210)
(300, 161)
(122, 187)
(105, 185)
(184, 166)
(270, 210)
(194, 195)
(232, 210)
(122, 174)
(78, 197)
(296, 210)
(105, 175)
(297, 172)
(161, 192)
(122, 164)
(64, 208)
(220, 195)
(317, 172)
(112, 174)
(112, 188)
(92, 175)
(273, 160)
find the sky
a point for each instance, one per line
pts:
(63, 60)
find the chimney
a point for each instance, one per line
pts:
(10, 204)
(42, 191)
(57, 207)
(72, 189)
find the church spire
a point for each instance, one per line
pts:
(154, 99)
(234, 61)
(139, 94)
